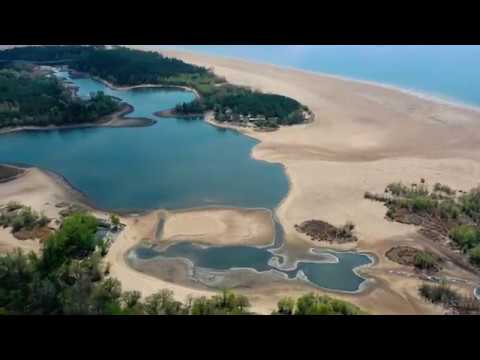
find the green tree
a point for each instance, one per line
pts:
(474, 255)
(75, 239)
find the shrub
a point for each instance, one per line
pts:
(75, 239)
(474, 255)
(13, 205)
(43, 220)
(311, 304)
(426, 261)
(439, 294)
(444, 189)
(397, 189)
(163, 303)
(470, 203)
(422, 203)
(448, 209)
(226, 303)
(466, 236)
(115, 220)
(285, 306)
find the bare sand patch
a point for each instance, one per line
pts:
(220, 226)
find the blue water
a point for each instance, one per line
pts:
(323, 273)
(172, 164)
(447, 71)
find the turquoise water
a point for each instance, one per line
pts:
(172, 164)
(446, 71)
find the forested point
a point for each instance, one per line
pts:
(127, 67)
(32, 98)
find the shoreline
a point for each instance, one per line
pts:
(117, 119)
(424, 95)
(132, 87)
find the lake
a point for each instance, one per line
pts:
(174, 164)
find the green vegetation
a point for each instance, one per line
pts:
(441, 212)
(127, 67)
(410, 256)
(74, 240)
(115, 220)
(226, 303)
(311, 304)
(69, 278)
(474, 255)
(466, 236)
(29, 98)
(425, 261)
(123, 66)
(46, 54)
(443, 295)
(21, 217)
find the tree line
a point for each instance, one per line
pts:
(29, 98)
(125, 67)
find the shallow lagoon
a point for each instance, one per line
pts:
(174, 164)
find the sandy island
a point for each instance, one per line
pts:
(219, 226)
(363, 138)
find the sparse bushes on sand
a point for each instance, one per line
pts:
(425, 261)
(443, 295)
(440, 212)
(21, 217)
(465, 236)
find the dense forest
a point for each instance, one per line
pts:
(126, 67)
(46, 54)
(239, 104)
(69, 277)
(30, 98)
